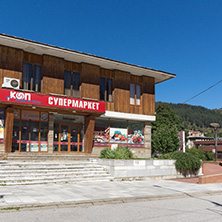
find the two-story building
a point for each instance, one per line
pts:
(57, 100)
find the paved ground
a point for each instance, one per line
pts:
(204, 208)
(207, 168)
(99, 192)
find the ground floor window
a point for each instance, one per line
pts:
(114, 131)
(2, 125)
(30, 131)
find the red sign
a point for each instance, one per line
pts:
(34, 99)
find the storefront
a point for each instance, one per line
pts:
(41, 124)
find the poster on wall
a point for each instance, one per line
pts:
(135, 137)
(101, 136)
(136, 134)
(118, 135)
(1, 125)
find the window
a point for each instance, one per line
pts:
(71, 84)
(32, 76)
(106, 89)
(135, 94)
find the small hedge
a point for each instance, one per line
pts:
(203, 155)
(119, 153)
(188, 164)
(172, 156)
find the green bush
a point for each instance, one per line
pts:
(198, 153)
(172, 156)
(203, 155)
(187, 164)
(119, 153)
(210, 156)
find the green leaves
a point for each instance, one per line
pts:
(119, 153)
(165, 137)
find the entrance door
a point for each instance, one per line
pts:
(68, 137)
(64, 138)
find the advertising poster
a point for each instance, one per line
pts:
(1, 125)
(118, 135)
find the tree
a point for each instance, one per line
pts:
(165, 137)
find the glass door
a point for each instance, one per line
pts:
(25, 136)
(74, 138)
(64, 138)
(34, 134)
(68, 137)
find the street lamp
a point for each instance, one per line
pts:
(215, 126)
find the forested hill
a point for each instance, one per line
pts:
(195, 117)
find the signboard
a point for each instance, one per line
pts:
(34, 99)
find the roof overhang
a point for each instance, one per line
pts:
(80, 57)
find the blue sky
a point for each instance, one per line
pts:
(178, 36)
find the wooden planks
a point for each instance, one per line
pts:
(53, 75)
(88, 134)
(90, 81)
(11, 64)
(11, 61)
(9, 128)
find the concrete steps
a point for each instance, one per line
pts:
(48, 156)
(24, 173)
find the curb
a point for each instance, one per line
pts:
(103, 201)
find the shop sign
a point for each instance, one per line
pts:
(30, 115)
(34, 99)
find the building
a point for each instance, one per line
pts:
(195, 136)
(210, 146)
(56, 100)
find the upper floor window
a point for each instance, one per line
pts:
(31, 77)
(135, 94)
(106, 89)
(71, 84)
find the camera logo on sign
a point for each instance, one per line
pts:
(19, 96)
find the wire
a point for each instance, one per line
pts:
(203, 91)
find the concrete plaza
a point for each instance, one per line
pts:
(28, 196)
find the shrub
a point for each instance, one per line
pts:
(187, 164)
(119, 153)
(198, 153)
(203, 155)
(172, 156)
(210, 156)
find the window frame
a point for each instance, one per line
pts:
(73, 91)
(135, 95)
(30, 84)
(106, 94)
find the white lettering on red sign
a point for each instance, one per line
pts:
(72, 103)
(20, 95)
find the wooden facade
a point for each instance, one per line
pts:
(55, 64)
(11, 64)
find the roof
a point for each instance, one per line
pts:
(79, 57)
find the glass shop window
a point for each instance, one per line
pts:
(106, 89)
(2, 125)
(135, 134)
(72, 84)
(101, 132)
(135, 94)
(118, 131)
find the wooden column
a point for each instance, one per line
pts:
(88, 134)
(9, 128)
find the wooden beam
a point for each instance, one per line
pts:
(9, 128)
(88, 134)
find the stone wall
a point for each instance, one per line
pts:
(141, 168)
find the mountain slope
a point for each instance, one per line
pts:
(196, 117)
